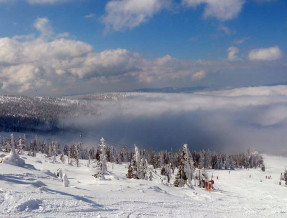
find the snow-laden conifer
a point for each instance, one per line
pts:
(13, 158)
(65, 180)
(185, 169)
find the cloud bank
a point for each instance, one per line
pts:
(53, 64)
(226, 120)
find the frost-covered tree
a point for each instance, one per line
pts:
(138, 167)
(43, 147)
(33, 148)
(166, 171)
(137, 155)
(50, 150)
(143, 169)
(69, 157)
(285, 177)
(185, 169)
(65, 180)
(101, 165)
(132, 170)
(263, 167)
(6, 145)
(103, 158)
(62, 157)
(77, 154)
(20, 146)
(13, 158)
(13, 150)
(54, 150)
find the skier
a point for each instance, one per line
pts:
(211, 184)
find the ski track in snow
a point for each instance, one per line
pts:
(35, 191)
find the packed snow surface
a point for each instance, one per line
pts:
(34, 190)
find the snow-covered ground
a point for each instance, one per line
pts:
(35, 191)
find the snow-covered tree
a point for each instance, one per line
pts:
(20, 146)
(103, 158)
(138, 167)
(62, 157)
(285, 177)
(263, 167)
(166, 171)
(132, 170)
(77, 154)
(101, 165)
(43, 147)
(185, 169)
(143, 168)
(13, 151)
(13, 158)
(60, 173)
(65, 180)
(54, 150)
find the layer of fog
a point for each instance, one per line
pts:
(228, 120)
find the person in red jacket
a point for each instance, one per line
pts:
(211, 184)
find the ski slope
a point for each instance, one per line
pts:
(35, 191)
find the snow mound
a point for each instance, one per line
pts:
(29, 205)
(38, 184)
(13, 159)
(157, 189)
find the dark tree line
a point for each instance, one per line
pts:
(115, 154)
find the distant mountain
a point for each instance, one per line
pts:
(277, 84)
(172, 89)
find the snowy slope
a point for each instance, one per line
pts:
(35, 191)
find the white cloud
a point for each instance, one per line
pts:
(65, 60)
(265, 54)
(232, 53)
(128, 14)
(43, 25)
(199, 75)
(63, 63)
(220, 9)
(250, 91)
(240, 41)
(225, 29)
(90, 15)
(21, 77)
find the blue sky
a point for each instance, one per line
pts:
(60, 47)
